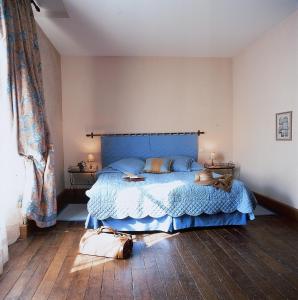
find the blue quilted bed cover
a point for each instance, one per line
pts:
(174, 194)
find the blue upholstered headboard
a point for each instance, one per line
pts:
(117, 147)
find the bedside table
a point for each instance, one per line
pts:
(76, 180)
(222, 168)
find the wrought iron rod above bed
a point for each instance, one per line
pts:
(35, 5)
(143, 134)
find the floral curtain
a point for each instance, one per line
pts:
(21, 89)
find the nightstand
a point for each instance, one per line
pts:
(76, 177)
(221, 168)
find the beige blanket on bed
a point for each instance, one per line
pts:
(224, 182)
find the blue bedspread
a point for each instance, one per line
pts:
(174, 194)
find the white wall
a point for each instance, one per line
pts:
(266, 82)
(110, 94)
(51, 72)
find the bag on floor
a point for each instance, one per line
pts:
(106, 242)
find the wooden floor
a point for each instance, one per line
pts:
(257, 261)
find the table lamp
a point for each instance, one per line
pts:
(90, 159)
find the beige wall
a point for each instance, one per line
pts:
(51, 72)
(265, 83)
(146, 95)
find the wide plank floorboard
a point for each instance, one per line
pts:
(258, 261)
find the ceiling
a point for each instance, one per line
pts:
(185, 28)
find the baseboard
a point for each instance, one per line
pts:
(278, 207)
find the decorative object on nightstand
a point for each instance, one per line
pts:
(221, 168)
(82, 165)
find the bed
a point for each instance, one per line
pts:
(163, 202)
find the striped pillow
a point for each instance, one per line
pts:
(158, 165)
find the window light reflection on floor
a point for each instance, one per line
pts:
(153, 239)
(82, 262)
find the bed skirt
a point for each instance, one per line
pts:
(169, 224)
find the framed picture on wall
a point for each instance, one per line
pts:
(284, 126)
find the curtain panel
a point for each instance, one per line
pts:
(21, 84)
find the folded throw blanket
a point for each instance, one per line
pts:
(224, 182)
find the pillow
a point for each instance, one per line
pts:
(128, 165)
(181, 163)
(195, 166)
(158, 165)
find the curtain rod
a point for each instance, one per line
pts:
(35, 5)
(142, 134)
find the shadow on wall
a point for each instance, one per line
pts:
(88, 27)
(268, 190)
(272, 192)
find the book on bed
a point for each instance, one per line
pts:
(133, 177)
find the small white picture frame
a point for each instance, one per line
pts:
(284, 126)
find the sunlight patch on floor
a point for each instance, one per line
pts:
(153, 239)
(82, 262)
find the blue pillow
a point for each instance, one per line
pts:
(128, 165)
(158, 165)
(181, 163)
(195, 166)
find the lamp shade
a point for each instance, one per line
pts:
(90, 158)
